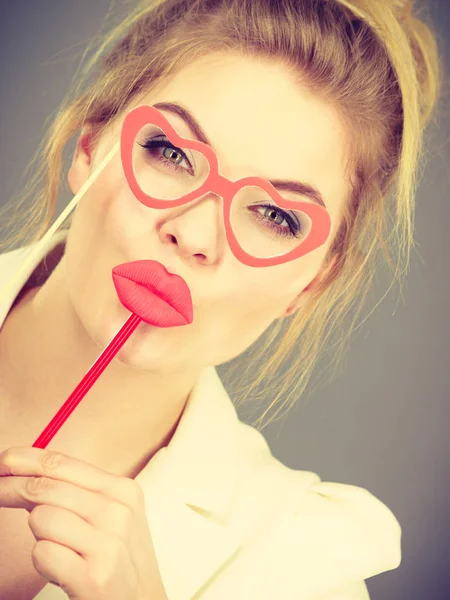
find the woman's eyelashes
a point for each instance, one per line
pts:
(169, 153)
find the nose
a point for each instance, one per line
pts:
(197, 229)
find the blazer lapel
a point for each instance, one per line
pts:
(188, 487)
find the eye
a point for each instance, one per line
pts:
(293, 228)
(171, 155)
(154, 144)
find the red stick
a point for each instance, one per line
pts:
(88, 381)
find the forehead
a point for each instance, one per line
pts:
(260, 122)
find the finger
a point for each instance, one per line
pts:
(29, 461)
(108, 516)
(104, 558)
(67, 529)
(29, 492)
(59, 565)
(40, 462)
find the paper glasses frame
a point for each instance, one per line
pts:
(133, 122)
(143, 115)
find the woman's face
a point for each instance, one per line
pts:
(261, 124)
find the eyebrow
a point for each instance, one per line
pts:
(299, 187)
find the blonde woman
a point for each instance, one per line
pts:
(153, 488)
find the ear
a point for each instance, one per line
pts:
(302, 297)
(80, 168)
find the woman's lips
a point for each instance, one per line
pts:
(160, 298)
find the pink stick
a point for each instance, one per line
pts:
(88, 381)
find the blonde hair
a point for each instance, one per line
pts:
(374, 61)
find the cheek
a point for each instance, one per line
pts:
(127, 222)
(268, 294)
(110, 218)
(258, 303)
(100, 227)
(275, 290)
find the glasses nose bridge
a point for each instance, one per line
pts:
(222, 186)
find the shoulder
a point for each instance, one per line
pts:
(341, 531)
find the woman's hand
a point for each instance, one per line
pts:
(91, 528)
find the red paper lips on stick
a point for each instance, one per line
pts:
(153, 295)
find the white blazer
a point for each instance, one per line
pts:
(231, 522)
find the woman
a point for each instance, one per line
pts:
(162, 492)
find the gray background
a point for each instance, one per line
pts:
(384, 422)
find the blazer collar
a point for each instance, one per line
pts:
(202, 454)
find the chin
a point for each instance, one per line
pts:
(129, 360)
(147, 349)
